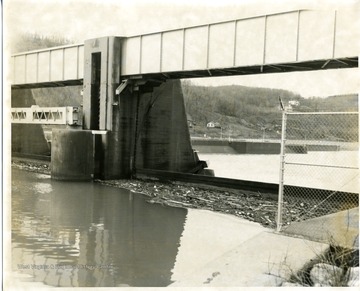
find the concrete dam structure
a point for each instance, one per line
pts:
(210, 146)
(132, 105)
(151, 129)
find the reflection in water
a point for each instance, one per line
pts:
(85, 234)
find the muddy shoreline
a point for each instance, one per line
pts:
(253, 206)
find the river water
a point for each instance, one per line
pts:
(329, 170)
(72, 234)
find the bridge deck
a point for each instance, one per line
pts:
(283, 42)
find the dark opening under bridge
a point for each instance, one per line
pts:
(118, 75)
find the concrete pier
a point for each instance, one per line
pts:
(149, 130)
(72, 155)
(163, 141)
(144, 124)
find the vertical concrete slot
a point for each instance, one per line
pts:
(95, 90)
(72, 155)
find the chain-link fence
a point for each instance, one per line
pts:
(319, 171)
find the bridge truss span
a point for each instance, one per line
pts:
(68, 115)
(284, 42)
(289, 41)
(52, 67)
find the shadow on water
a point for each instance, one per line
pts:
(84, 234)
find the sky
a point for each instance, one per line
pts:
(84, 19)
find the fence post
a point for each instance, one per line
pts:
(281, 174)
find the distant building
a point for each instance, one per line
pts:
(294, 103)
(213, 124)
(290, 106)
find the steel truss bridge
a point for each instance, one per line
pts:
(284, 42)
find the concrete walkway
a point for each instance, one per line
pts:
(266, 259)
(340, 228)
(269, 258)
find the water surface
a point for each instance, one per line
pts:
(337, 171)
(73, 234)
(85, 234)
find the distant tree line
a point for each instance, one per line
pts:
(251, 104)
(34, 41)
(258, 108)
(341, 103)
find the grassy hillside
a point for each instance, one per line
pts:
(246, 112)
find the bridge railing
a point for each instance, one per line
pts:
(288, 37)
(69, 115)
(48, 65)
(240, 46)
